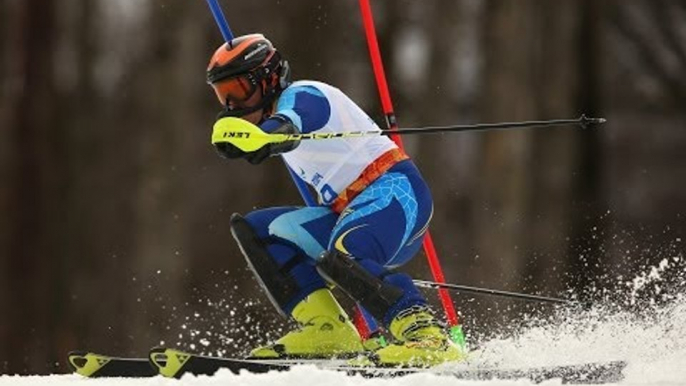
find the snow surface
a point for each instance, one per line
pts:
(299, 376)
(651, 338)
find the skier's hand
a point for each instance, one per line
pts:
(228, 151)
(256, 157)
(237, 132)
(274, 148)
(238, 138)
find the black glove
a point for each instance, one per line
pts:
(256, 157)
(228, 151)
(225, 149)
(272, 149)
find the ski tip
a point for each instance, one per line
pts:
(76, 359)
(169, 362)
(85, 363)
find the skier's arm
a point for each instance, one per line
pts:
(301, 109)
(305, 107)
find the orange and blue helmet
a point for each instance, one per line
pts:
(241, 68)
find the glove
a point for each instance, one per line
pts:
(225, 149)
(279, 126)
(273, 149)
(256, 157)
(228, 151)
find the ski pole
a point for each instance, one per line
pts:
(584, 122)
(249, 137)
(486, 291)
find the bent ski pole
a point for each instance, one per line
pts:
(249, 137)
(486, 291)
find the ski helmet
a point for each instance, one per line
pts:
(244, 66)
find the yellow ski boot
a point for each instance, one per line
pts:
(421, 342)
(325, 332)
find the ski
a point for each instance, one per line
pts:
(174, 363)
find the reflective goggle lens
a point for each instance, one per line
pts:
(235, 90)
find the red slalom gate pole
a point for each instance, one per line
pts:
(387, 105)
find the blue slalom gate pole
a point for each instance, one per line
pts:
(221, 20)
(228, 36)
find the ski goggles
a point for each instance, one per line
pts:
(235, 91)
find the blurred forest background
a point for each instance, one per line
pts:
(114, 207)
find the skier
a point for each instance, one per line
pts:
(374, 211)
